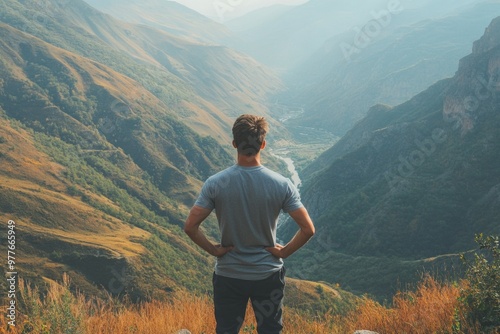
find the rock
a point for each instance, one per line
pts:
(183, 331)
(365, 332)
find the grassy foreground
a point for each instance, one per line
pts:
(432, 308)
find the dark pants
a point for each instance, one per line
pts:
(231, 297)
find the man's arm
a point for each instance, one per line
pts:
(192, 228)
(306, 231)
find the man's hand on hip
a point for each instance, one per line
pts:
(277, 251)
(220, 251)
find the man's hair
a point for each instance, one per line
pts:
(249, 132)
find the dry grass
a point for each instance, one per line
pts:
(433, 308)
(186, 311)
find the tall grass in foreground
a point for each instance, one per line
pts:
(432, 308)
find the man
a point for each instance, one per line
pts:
(247, 199)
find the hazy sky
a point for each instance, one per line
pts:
(226, 9)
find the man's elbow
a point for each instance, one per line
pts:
(309, 232)
(190, 230)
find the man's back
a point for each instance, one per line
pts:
(247, 201)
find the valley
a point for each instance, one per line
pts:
(302, 144)
(113, 114)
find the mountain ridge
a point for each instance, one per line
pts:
(149, 57)
(169, 16)
(409, 183)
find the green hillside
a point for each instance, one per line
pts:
(409, 186)
(124, 168)
(188, 76)
(121, 171)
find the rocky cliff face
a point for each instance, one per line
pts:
(490, 39)
(476, 82)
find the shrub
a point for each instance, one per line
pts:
(482, 295)
(59, 312)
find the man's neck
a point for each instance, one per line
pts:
(249, 161)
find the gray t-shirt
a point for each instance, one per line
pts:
(247, 202)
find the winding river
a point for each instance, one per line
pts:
(290, 166)
(295, 179)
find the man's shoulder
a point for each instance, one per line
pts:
(276, 177)
(260, 172)
(273, 174)
(225, 173)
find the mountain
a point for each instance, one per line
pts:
(339, 84)
(408, 187)
(175, 70)
(259, 17)
(203, 65)
(168, 16)
(284, 40)
(124, 143)
(291, 35)
(104, 146)
(99, 181)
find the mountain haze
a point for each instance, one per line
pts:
(259, 17)
(284, 39)
(168, 16)
(340, 83)
(287, 38)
